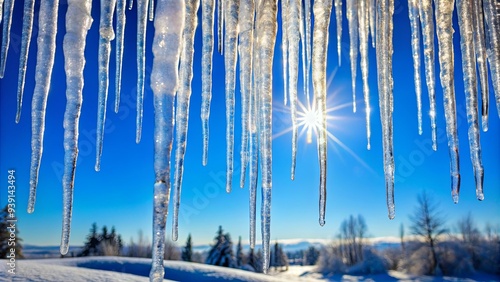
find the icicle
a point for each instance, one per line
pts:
(29, 6)
(307, 15)
(142, 13)
(208, 7)
(220, 24)
(7, 15)
(385, 10)
(480, 48)
(1, 9)
(445, 39)
(470, 84)
(352, 17)
(106, 35)
(322, 10)
(78, 22)
(303, 51)
(372, 11)
(120, 35)
(427, 22)
(492, 12)
(46, 48)
(245, 48)
(266, 25)
(284, 47)
(151, 10)
(230, 57)
(364, 29)
(293, 31)
(130, 4)
(413, 12)
(182, 107)
(338, 19)
(167, 42)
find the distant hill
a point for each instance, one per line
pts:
(35, 252)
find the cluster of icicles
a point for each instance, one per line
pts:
(247, 31)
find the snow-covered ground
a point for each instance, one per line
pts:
(137, 269)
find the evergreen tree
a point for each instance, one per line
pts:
(311, 256)
(91, 245)
(104, 244)
(278, 258)
(221, 253)
(187, 251)
(252, 259)
(240, 257)
(5, 244)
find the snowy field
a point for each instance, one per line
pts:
(137, 269)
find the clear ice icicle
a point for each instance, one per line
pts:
(207, 25)
(470, 84)
(352, 18)
(284, 47)
(245, 49)
(7, 16)
(385, 10)
(231, 9)
(46, 48)
(293, 31)
(445, 39)
(142, 13)
(253, 142)
(427, 22)
(372, 11)
(364, 29)
(307, 19)
(492, 12)
(266, 25)
(480, 48)
(151, 10)
(220, 25)
(182, 107)
(1, 9)
(78, 22)
(130, 4)
(322, 10)
(120, 35)
(338, 20)
(413, 13)
(29, 6)
(167, 42)
(106, 35)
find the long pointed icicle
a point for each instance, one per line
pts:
(245, 48)
(413, 13)
(284, 47)
(427, 22)
(480, 49)
(352, 17)
(7, 16)
(385, 10)
(338, 20)
(492, 12)
(364, 29)
(307, 19)
(266, 25)
(182, 107)
(120, 35)
(167, 42)
(29, 6)
(322, 11)
(445, 39)
(208, 8)
(470, 84)
(372, 10)
(78, 22)
(106, 35)
(230, 57)
(303, 51)
(46, 43)
(142, 14)
(293, 31)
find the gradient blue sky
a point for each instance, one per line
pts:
(121, 193)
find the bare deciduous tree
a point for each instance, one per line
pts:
(352, 233)
(428, 223)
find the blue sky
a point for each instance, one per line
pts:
(121, 193)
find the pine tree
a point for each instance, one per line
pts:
(221, 253)
(104, 244)
(5, 244)
(91, 245)
(187, 251)
(240, 257)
